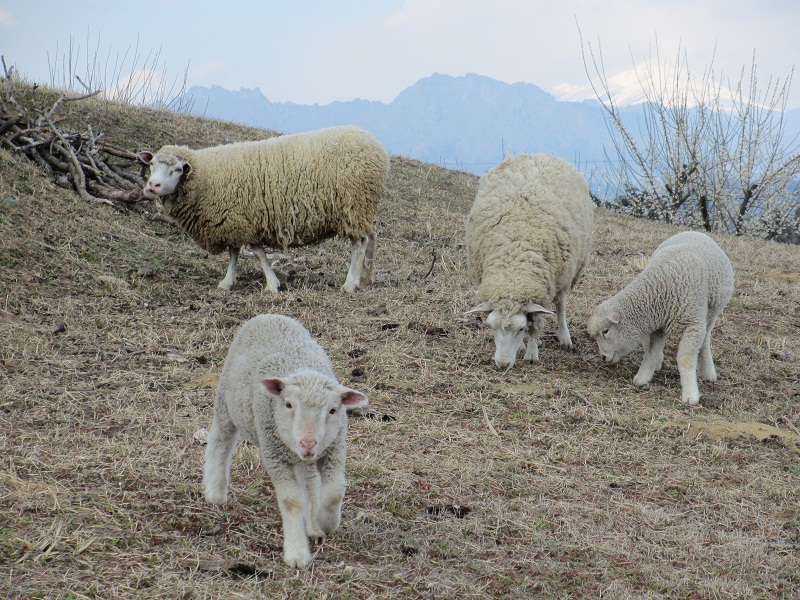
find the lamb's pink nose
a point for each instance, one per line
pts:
(308, 446)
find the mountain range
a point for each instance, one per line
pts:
(469, 122)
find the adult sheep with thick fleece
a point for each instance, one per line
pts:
(281, 192)
(279, 392)
(528, 236)
(682, 290)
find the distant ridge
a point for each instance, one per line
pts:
(470, 122)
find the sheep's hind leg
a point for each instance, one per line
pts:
(230, 276)
(357, 259)
(273, 283)
(688, 349)
(369, 255)
(705, 365)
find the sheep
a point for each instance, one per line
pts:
(528, 235)
(281, 192)
(279, 392)
(682, 290)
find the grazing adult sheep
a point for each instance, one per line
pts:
(528, 236)
(681, 291)
(278, 390)
(282, 192)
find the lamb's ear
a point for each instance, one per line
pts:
(146, 156)
(483, 307)
(187, 168)
(532, 308)
(273, 386)
(353, 399)
(614, 318)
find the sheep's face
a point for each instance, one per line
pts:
(310, 411)
(508, 327)
(608, 330)
(166, 173)
(509, 336)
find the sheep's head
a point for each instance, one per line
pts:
(508, 325)
(166, 173)
(310, 411)
(609, 330)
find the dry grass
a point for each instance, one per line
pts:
(560, 480)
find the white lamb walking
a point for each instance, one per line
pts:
(282, 192)
(278, 390)
(681, 291)
(528, 238)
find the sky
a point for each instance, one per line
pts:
(320, 51)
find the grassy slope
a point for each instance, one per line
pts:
(576, 483)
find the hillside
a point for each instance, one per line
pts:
(559, 480)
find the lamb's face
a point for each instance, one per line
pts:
(310, 411)
(608, 330)
(166, 172)
(509, 336)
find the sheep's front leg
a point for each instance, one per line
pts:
(534, 333)
(561, 314)
(222, 441)
(293, 504)
(273, 283)
(313, 486)
(653, 358)
(357, 258)
(230, 276)
(688, 349)
(329, 516)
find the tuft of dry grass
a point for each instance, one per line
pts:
(559, 480)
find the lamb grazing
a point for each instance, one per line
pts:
(681, 291)
(528, 237)
(278, 390)
(282, 192)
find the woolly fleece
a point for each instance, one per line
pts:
(529, 231)
(281, 192)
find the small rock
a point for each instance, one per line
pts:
(59, 328)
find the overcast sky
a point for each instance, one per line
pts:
(318, 51)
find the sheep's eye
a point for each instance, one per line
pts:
(605, 331)
(289, 406)
(332, 411)
(178, 170)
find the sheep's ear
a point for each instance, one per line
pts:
(483, 307)
(531, 309)
(273, 386)
(614, 318)
(187, 168)
(146, 156)
(353, 399)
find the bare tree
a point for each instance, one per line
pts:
(703, 153)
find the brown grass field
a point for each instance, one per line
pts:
(559, 480)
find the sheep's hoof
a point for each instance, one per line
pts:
(349, 288)
(224, 285)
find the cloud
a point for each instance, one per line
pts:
(6, 20)
(209, 70)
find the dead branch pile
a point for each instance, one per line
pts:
(97, 170)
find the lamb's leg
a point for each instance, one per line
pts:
(353, 279)
(290, 489)
(332, 492)
(230, 276)
(561, 314)
(273, 283)
(534, 333)
(369, 256)
(313, 485)
(222, 441)
(706, 367)
(688, 349)
(653, 358)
